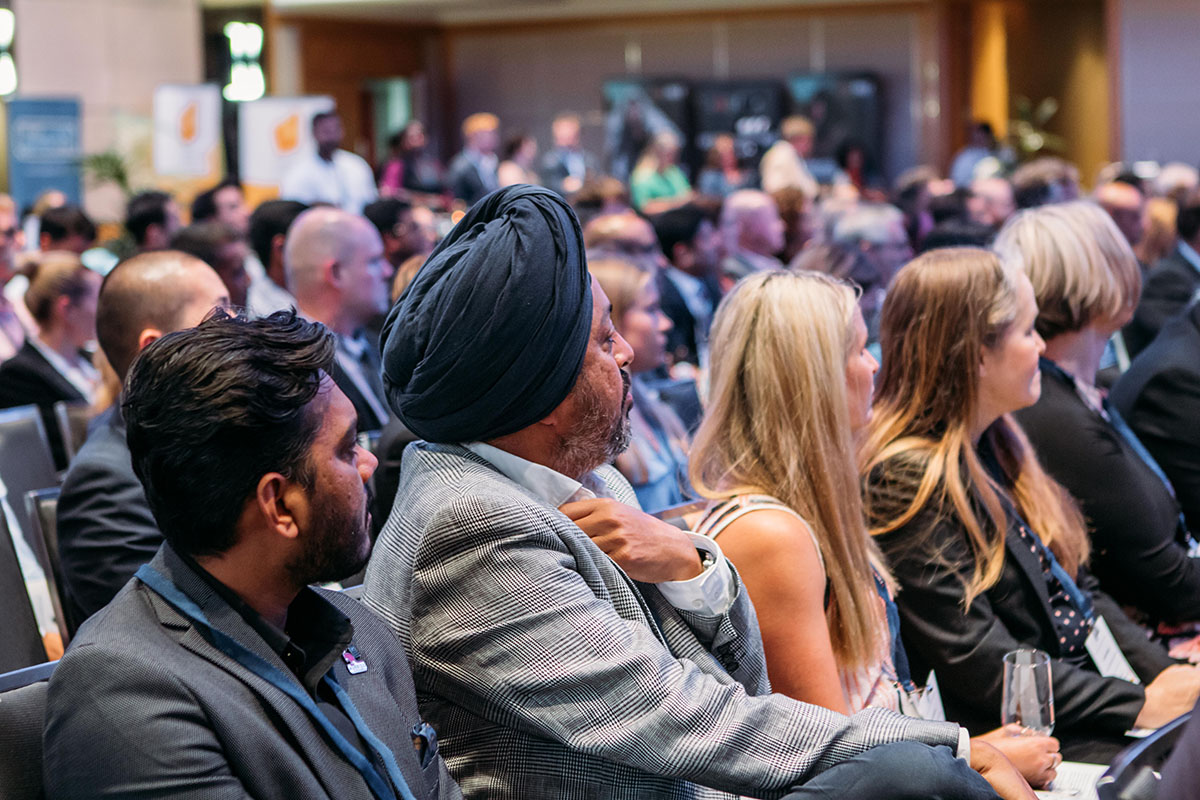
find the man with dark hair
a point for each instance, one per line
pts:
(330, 174)
(403, 235)
(225, 202)
(1171, 283)
(218, 671)
(219, 245)
(688, 288)
(151, 219)
(566, 644)
(268, 230)
(105, 529)
(66, 228)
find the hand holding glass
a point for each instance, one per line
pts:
(1028, 698)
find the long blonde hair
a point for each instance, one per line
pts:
(778, 423)
(941, 311)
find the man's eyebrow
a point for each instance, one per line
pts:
(351, 433)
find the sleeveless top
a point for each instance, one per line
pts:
(878, 684)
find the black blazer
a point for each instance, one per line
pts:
(368, 420)
(1169, 286)
(465, 181)
(681, 339)
(1159, 396)
(553, 168)
(29, 379)
(1139, 550)
(966, 648)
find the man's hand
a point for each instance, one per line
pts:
(999, 772)
(648, 549)
(1035, 757)
(1171, 694)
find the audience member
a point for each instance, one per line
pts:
(566, 166)
(547, 664)
(601, 196)
(339, 277)
(51, 365)
(721, 173)
(1086, 282)
(856, 170)
(13, 325)
(219, 245)
(31, 218)
(225, 202)
(625, 235)
(753, 234)
(1159, 239)
(783, 165)
(1126, 204)
(990, 201)
(1171, 283)
(657, 184)
(688, 286)
(400, 229)
(472, 173)
(914, 191)
(269, 225)
(1045, 180)
(421, 172)
(66, 228)
(218, 670)
(1176, 181)
(958, 233)
(656, 462)
(875, 234)
(105, 528)
(799, 221)
(790, 398)
(981, 146)
(520, 153)
(329, 174)
(988, 550)
(152, 218)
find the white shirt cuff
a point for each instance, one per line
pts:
(709, 593)
(964, 745)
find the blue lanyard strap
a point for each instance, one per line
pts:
(163, 586)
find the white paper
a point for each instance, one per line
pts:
(1075, 780)
(1106, 653)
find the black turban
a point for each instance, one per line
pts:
(491, 334)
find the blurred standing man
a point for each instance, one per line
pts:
(566, 166)
(330, 175)
(472, 173)
(783, 165)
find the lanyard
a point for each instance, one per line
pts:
(163, 586)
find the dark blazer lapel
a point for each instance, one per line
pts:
(1030, 566)
(38, 364)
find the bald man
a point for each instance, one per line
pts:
(105, 528)
(336, 270)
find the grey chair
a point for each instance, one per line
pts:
(22, 717)
(26, 464)
(73, 420)
(42, 507)
(1134, 773)
(20, 640)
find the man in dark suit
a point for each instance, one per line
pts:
(105, 529)
(566, 166)
(337, 271)
(1171, 283)
(1159, 397)
(688, 288)
(218, 671)
(472, 173)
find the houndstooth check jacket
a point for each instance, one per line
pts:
(549, 673)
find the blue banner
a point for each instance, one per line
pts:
(44, 148)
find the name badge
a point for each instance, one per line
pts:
(354, 662)
(1106, 653)
(929, 700)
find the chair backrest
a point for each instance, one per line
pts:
(20, 640)
(72, 419)
(1134, 772)
(25, 462)
(42, 507)
(22, 717)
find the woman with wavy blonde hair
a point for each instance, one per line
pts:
(989, 551)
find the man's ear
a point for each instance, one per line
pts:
(276, 498)
(147, 336)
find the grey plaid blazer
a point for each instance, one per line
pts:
(548, 673)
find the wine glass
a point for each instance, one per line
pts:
(1028, 698)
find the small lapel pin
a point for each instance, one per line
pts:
(354, 661)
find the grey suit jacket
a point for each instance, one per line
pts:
(142, 705)
(550, 674)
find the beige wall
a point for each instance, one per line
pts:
(112, 54)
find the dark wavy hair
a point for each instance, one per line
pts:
(212, 409)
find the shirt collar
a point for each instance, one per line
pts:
(552, 488)
(1189, 255)
(353, 345)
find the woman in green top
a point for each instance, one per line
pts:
(657, 183)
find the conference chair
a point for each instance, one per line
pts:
(42, 507)
(73, 420)
(1134, 774)
(22, 717)
(20, 640)
(26, 463)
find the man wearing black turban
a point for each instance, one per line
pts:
(565, 644)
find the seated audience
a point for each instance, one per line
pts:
(472, 173)
(520, 153)
(1159, 397)
(753, 235)
(990, 202)
(225, 203)
(337, 272)
(219, 245)
(14, 317)
(875, 234)
(554, 630)
(269, 225)
(783, 165)
(790, 397)
(1126, 204)
(721, 173)
(988, 550)
(1171, 283)
(566, 166)
(657, 184)
(152, 218)
(105, 528)
(1086, 282)
(218, 671)
(66, 228)
(656, 462)
(688, 287)
(1045, 180)
(51, 365)
(600, 196)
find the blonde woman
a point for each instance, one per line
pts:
(656, 462)
(790, 394)
(989, 551)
